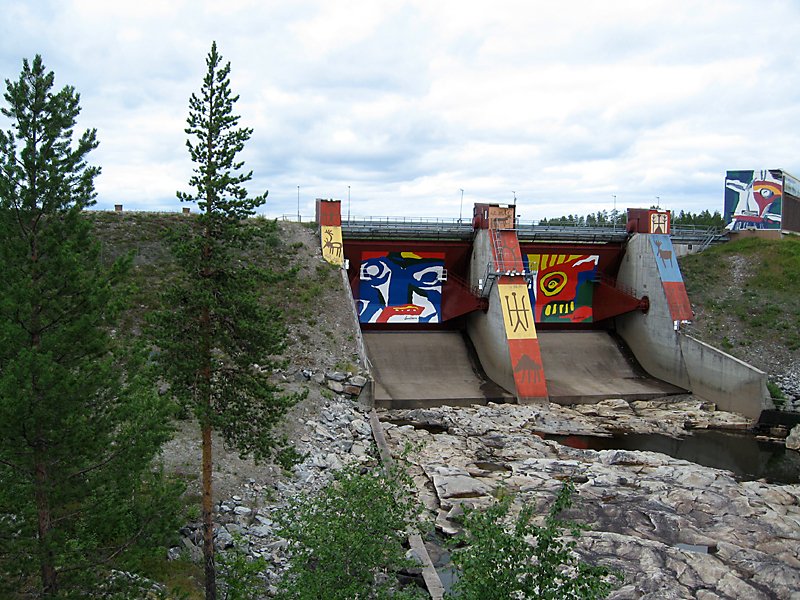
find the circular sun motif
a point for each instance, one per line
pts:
(552, 283)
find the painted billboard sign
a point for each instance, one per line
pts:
(562, 286)
(400, 287)
(753, 199)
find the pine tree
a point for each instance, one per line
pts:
(77, 430)
(218, 337)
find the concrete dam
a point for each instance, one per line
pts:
(463, 313)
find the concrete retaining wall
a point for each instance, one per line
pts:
(732, 384)
(362, 352)
(678, 358)
(651, 337)
(486, 330)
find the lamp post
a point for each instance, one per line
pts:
(298, 203)
(348, 203)
(461, 208)
(614, 212)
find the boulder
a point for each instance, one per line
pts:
(358, 380)
(793, 439)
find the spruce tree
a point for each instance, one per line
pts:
(217, 337)
(78, 426)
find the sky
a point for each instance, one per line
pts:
(421, 108)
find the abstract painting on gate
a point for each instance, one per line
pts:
(562, 286)
(400, 287)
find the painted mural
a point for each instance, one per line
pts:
(400, 287)
(329, 218)
(562, 286)
(523, 343)
(753, 199)
(332, 245)
(680, 308)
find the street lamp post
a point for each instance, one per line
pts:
(298, 204)
(461, 208)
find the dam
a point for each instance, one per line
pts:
(486, 310)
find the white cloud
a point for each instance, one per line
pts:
(408, 102)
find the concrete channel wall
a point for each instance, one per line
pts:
(486, 330)
(678, 358)
(733, 384)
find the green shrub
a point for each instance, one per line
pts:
(346, 542)
(241, 576)
(499, 562)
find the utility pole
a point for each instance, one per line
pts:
(614, 212)
(298, 203)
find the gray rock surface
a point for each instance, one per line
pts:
(674, 528)
(793, 439)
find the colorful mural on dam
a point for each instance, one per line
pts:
(562, 286)
(400, 287)
(330, 220)
(753, 199)
(680, 308)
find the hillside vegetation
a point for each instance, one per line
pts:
(746, 298)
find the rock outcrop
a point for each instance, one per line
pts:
(674, 528)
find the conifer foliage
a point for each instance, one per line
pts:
(217, 338)
(78, 425)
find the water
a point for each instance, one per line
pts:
(748, 458)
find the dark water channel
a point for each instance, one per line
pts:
(748, 458)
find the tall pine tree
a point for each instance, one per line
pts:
(78, 431)
(217, 329)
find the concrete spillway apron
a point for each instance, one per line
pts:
(417, 369)
(429, 574)
(588, 366)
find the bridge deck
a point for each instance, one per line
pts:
(461, 229)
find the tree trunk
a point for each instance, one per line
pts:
(208, 523)
(41, 482)
(46, 561)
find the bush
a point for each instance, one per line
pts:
(499, 562)
(241, 576)
(346, 542)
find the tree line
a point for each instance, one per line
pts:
(614, 218)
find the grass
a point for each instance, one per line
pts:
(765, 303)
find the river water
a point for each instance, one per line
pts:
(747, 457)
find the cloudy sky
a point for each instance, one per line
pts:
(402, 104)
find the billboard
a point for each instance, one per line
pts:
(753, 199)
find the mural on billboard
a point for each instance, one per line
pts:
(562, 286)
(400, 287)
(753, 199)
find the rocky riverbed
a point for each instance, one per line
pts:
(674, 528)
